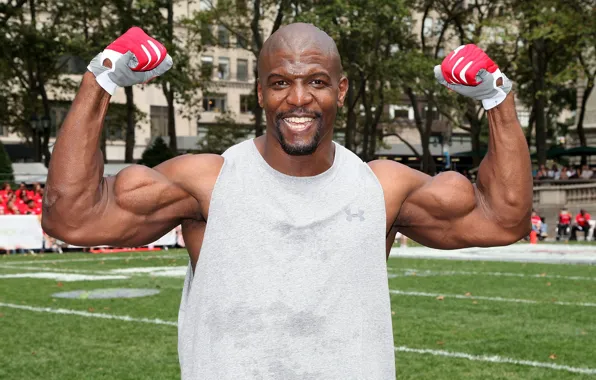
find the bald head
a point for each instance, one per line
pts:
(299, 38)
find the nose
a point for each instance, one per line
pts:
(299, 95)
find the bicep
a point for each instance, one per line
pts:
(447, 212)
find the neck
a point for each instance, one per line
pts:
(298, 166)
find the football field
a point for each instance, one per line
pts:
(113, 316)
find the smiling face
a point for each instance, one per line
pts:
(300, 87)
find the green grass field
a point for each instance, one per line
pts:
(451, 319)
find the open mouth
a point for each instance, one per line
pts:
(299, 124)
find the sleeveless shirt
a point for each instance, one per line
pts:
(291, 281)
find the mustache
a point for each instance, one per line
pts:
(298, 112)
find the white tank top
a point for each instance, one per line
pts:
(291, 282)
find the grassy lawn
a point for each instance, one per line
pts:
(515, 320)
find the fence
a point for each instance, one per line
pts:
(24, 232)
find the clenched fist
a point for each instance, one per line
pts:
(470, 72)
(133, 58)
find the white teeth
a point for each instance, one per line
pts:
(299, 120)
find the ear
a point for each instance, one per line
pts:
(343, 90)
(259, 93)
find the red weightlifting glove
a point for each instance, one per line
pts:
(470, 72)
(136, 58)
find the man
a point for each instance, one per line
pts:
(587, 172)
(582, 223)
(564, 223)
(293, 230)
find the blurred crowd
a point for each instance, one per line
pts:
(22, 201)
(564, 172)
(568, 227)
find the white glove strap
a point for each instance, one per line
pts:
(499, 96)
(102, 79)
(106, 83)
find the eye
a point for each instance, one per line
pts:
(318, 83)
(280, 83)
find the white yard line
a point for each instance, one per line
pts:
(458, 355)
(125, 318)
(412, 272)
(46, 269)
(98, 258)
(484, 298)
(496, 359)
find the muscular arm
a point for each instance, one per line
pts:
(135, 207)
(447, 211)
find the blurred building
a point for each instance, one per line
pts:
(232, 69)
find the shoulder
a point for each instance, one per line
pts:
(192, 169)
(398, 178)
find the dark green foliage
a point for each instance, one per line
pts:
(6, 173)
(156, 153)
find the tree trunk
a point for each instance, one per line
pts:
(582, 113)
(475, 136)
(130, 126)
(169, 94)
(350, 117)
(531, 123)
(258, 111)
(45, 149)
(424, 129)
(539, 64)
(167, 87)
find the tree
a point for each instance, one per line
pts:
(6, 172)
(156, 153)
(247, 27)
(221, 136)
(32, 62)
(181, 84)
(368, 55)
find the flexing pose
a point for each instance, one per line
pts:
(288, 233)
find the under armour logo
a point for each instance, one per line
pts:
(350, 216)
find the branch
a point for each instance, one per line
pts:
(279, 17)
(404, 141)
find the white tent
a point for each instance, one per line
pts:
(30, 172)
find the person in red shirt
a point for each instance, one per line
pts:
(563, 230)
(538, 225)
(582, 223)
(33, 208)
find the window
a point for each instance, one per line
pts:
(427, 29)
(58, 113)
(247, 103)
(439, 26)
(242, 69)
(206, 66)
(70, 64)
(223, 68)
(159, 121)
(214, 103)
(206, 32)
(204, 5)
(399, 112)
(434, 114)
(223, 36)
(241, 42)
(4, 130)
(524, 117)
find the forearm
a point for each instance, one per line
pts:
(75, 173)
(505, 177)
